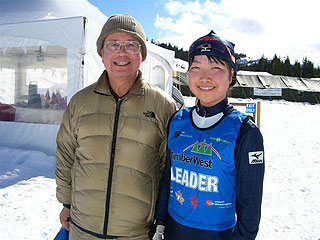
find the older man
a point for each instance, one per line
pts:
(111, 143)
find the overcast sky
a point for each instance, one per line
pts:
(257, 27)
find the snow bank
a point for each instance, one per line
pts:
(291, 206)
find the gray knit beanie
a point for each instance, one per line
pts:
(123, 23)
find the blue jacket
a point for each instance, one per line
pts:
(246, 173)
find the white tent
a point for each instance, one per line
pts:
(48, 53)
(158, 67)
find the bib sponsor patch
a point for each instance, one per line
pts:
(256, 157)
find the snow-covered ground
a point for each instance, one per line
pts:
(291, 206)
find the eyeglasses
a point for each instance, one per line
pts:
(131, 47)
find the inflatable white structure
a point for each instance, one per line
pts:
(47, 54)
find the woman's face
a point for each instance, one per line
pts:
(209, 81)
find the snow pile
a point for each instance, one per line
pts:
(291, 206)
(17, 165)
(28, 207)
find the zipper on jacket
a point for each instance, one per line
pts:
(113, 149)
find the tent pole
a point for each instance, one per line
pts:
(244, 92)
(292, 95)
(315, 98)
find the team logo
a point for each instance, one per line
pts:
(149, 114)
(209, 203)
(205, 47)
(177, 133)
(179, 197)
(194, 201)
(218, 139)
(203, 148)
(256, 157)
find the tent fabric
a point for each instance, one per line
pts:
(180, 65)
(40, 137)
(276, 87)
(61, 32)
(272, 81)
(295, 83)
(157, 68)
(249, 81)
(57, 22)
(242, 72)
(54, 43)
(313, 85)
(17, 11)
(178, 97)
(68, 33)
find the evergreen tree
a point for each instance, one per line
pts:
(262, 64)
(307, 68)
(287, 67)
(296, 69)
(317, 72)
(276, 65)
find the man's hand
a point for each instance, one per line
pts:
(65, 217)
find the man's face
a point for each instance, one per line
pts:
(121, 64)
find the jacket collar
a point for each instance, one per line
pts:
(103, 86)
(222, 106)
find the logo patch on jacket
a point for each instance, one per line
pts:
(149, 114)
(256, 157)
(177, 133)
(179, 197)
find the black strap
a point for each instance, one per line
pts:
(228, 111)
(93, 233)
(67, 205)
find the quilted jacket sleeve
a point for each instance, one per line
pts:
(65, 156)
(171, 109)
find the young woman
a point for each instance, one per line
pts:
(211, 187)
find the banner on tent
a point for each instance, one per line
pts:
(272, 92)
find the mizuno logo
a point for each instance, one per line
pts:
(205, 47)
(256, 157)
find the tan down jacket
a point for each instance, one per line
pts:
(110, 157)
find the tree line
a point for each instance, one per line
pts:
(276, 66)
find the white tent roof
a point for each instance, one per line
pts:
(180, 65)
(295, 83)
(71, 26)
(248, 81)
(59, 18)
(15, 11)
(242, 72)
